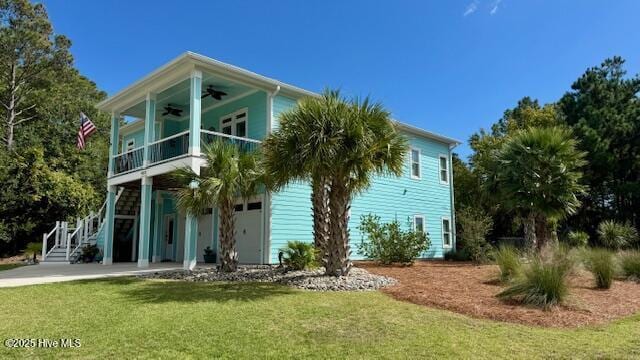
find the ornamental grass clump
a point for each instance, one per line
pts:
(508, 260)
(543, 282)
(630, 264)
(578, 239)
(614, 235)
(601, 263)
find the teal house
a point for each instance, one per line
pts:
(163, 121)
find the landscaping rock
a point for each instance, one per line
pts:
(314, 280)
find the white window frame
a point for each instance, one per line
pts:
(129, 145)
(419, 163)
(234, 121)
(424, 222)
(440, 169)
(450, 231)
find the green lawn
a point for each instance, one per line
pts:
(9, 266)
(124, 318)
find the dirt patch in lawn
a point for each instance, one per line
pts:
(468, 289)
(18, 259)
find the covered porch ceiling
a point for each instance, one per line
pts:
(177, 97)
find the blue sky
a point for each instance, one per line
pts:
(450, 67)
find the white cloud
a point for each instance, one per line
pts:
(494, 7)
(471, 8)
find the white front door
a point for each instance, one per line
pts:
(205, 234)
(248, 231)
(169, 225)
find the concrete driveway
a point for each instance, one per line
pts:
(43, 274)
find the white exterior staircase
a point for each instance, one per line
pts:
(64, 244)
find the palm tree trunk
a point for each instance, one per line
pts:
(530, 240)
(229, 258)
(542, 231)
(320, 208)
(338, 251)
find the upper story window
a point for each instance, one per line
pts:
(444, 169)
(418, 223)
(235, 124)
(130, 145)
(416, 171)
(446, 232)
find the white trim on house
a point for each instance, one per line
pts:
(424, 222)
(449, 231)
(446, 169)
(411, 162)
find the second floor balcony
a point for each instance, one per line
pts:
(174, 147)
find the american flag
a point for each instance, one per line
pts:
(86, 129)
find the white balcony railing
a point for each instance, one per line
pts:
(129, 160)
(208, 137)
(169, 147)
(176, 146)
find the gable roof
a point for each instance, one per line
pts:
(182, 65)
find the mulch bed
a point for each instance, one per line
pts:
(468, 289)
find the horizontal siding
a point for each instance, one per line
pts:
(389, 197)
(280, 105)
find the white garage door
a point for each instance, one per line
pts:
(248, 231)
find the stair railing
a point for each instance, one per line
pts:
(72, 239)
(45, 240)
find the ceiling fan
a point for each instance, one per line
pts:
(215, 94)
(171, 110)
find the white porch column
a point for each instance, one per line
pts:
(195, 109)
(149, 126)
(191, 231)
(114, 138)
(145, 221)
(109, 226)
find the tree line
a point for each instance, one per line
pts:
(43, 176)
(583, 151)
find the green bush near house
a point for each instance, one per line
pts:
(299, 255)
(543, 282)
(508, 260)
(475, 224)
(458, 255)
(630, 265)
(601, 262)
(388, 243)
(577, 239)
(615, 235)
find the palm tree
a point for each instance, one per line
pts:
(540, 177)
(369, 144)
(303, 149)
(230, 173)
(336, 145)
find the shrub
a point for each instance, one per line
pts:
(474, 227)
(457, 255)
(33, 249)
(299, 255)
(508, 260)
(388, 243)
(601, 263)
(630, 264)
(541, 283)
(614, 235)
(577, 239)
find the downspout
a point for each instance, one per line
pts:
(266, 244)
(453, 204)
